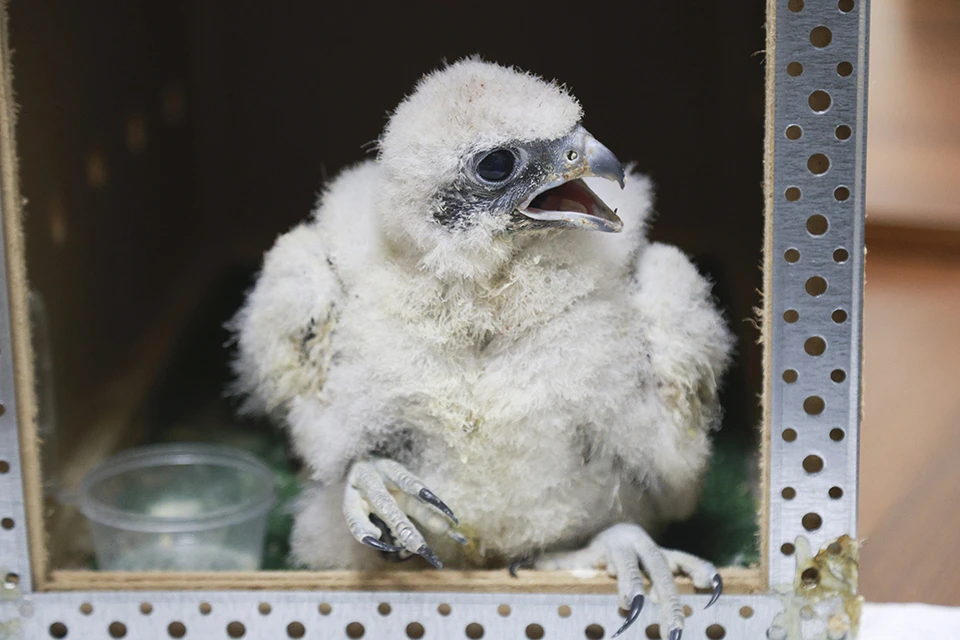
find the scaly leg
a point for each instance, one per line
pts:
(387, 490)
(621, 550)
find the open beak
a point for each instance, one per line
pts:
(564, 200)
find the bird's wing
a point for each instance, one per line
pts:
(686, 350)
(689, 344)
(284, 329)
(289, 345)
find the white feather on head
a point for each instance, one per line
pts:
(454, 112)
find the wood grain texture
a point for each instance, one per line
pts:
(18, 292)
(735, 580)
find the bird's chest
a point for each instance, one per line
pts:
(495, 377)
(510, 390)
(467, 398)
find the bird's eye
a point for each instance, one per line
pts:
(496, 166)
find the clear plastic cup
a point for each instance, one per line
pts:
(179, 507)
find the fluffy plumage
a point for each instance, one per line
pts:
(545, 383)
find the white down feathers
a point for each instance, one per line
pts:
(544, 384)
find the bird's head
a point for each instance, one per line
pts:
(481, 148)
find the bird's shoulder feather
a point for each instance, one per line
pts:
(284, 329)
(689, 342)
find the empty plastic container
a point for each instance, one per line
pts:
(179, 507)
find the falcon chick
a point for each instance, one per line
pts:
(449, 335)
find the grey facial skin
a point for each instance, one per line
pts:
(541, 165)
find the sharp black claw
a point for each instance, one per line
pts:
(428, 496)
(380, 545)
(635, 607)
(717, 590)
(427, 554)
(522, 563)
(675, 634)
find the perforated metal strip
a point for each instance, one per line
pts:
(819, 152)
(450, 616)
(14, 557)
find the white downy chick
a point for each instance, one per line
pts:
(450, 323)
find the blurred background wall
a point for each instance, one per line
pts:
(910, 443)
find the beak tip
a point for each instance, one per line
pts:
(602, 163)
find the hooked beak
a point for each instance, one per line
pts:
(563, 199)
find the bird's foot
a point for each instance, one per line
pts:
(384, 490)
(621, 550)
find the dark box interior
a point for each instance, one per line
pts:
(165, 145)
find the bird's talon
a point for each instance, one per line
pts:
(428, 554)
(522, 563)
(675, 634)
(635, 607)
(459, 538)
(429, 497)
(717, 590)
(380, 545)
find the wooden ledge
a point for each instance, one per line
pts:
(735, 580)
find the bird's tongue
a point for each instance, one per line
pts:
(573, 204)
(570, 196)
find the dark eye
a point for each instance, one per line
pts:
(496, 166)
